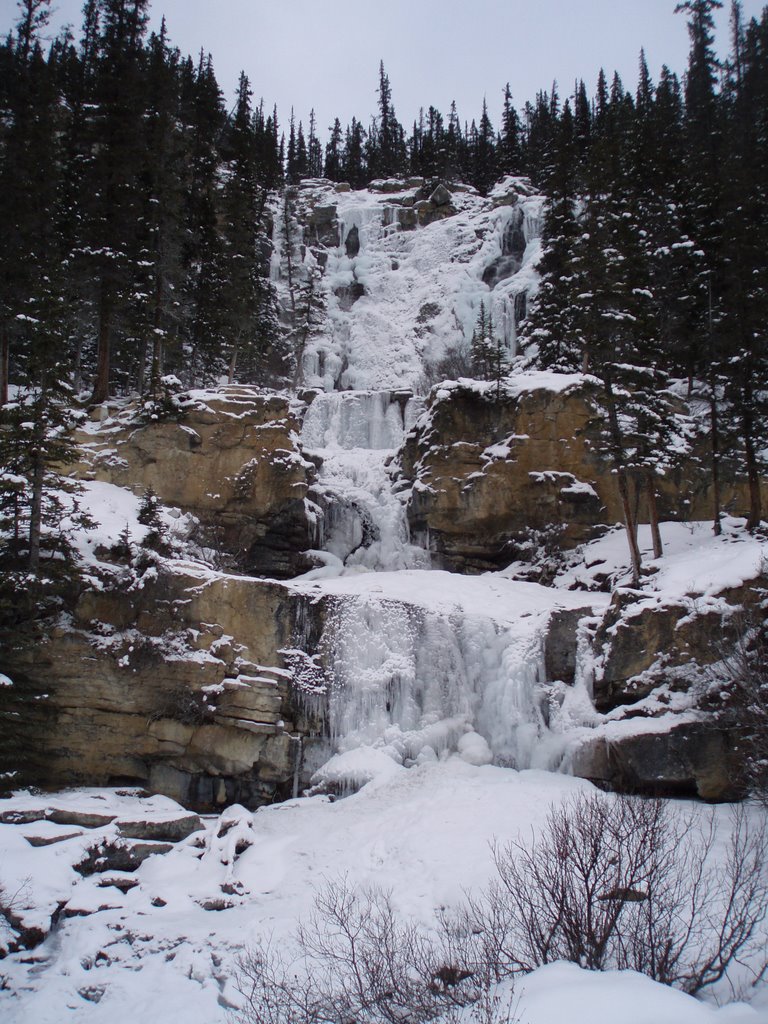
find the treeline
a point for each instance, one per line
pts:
(133, 209)
(655, 243)
(135, 205)
(136, 228)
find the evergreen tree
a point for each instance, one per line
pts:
(314, 150)
(510, 153)
(551, 325)
(112, 193)
(485, 169)
(354, 168)
(333, 153)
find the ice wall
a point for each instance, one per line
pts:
(369, 420)
(398, 293)
(419, 681)
(362, 524)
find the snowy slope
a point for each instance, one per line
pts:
(155, 952)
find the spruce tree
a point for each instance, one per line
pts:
(510, 153)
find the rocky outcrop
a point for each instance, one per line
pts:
(661, 666)
(647, 641)
(494, 477)
(693, 758)
(177, 685)
(230, 458)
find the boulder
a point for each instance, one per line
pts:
(168, 830)
(689, 759)
(120, 855)
(441, 196)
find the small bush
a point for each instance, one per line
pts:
(356, 960)
(626, 883)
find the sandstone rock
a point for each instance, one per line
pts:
(493, 477)
(51, 840)
(644, 642)
(85, 819)
(441, 196)
(322, 226)
(169, 830)
(232, 461)
(120, 855)
(199, 723)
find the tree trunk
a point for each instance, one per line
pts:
(653, 514)
(36, 505)
(101, 384)
(5, 351)
(714, 438)
(233, 363)
(617, 449)
(753, 472)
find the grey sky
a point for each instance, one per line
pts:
(306, 53)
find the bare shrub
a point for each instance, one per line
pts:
(626, 883)
(12, 901)
(455, 363)
(355, 960)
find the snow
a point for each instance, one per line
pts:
(694, 560)
(424, 834)
(587, 997)
(423, 286)
(441, 719)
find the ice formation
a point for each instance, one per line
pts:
(397, 297)
(417, 665)
(362, 524)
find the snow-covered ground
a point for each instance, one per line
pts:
(156, 952)
(167, 947)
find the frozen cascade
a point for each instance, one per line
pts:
(415, 682)
(363, 525)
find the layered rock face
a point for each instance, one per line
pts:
(230, 458)
(176, 684)
(655, 655)
(494, 477)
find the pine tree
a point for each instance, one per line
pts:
(353, 163)
(510, 153)
(485, 169)
(112, 194)
(333, 152)
(314, 150)
(551, 327)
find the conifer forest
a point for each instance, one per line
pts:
(383, 543)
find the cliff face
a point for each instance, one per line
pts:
(174, 684)
(231, 458)
(494, 477)
(266, 646)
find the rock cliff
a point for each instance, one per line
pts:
(495, 476)
(229, 457)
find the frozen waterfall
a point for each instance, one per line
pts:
(362, 523)
(416, 666)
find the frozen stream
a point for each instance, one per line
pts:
(413, 664)
(362, 524)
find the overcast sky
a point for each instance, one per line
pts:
(325, 53)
